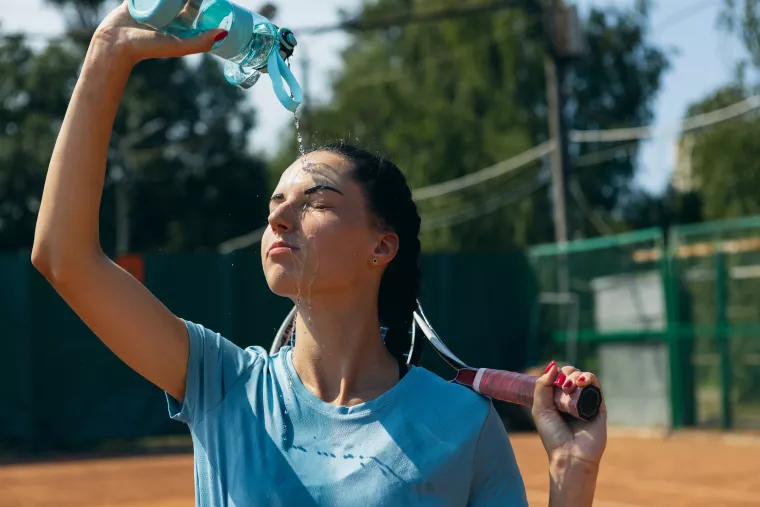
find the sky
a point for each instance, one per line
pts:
(705, 59)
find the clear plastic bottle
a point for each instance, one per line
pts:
(252, 46)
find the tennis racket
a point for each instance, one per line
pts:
(511, 387)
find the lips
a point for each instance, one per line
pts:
(280, 246)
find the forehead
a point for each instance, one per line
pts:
(319, 168)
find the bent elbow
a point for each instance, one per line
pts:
(58, 267)
(41, 260)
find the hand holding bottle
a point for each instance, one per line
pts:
(132, 41)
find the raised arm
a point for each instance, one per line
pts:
(131, 322)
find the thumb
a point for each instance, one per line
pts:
(543, 396)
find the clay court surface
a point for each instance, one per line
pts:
(679, 471)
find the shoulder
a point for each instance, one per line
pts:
(448, 401)
(212, 347)
(453, 395)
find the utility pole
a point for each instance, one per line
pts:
(563, 44)
(555, 99)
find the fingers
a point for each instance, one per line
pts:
(572, 378)
(166, 46)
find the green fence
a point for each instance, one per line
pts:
(60, 387)
(684, 307)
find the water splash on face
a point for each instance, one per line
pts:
(307, 260)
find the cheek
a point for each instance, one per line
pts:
(339, 247)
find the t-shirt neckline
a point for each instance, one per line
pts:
(338, 410)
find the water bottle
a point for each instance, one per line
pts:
(254, 45)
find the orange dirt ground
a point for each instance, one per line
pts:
(684, 470)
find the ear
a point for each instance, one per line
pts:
(385, 249)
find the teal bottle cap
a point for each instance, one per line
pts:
(155, 13)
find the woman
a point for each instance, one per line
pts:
(338, 419)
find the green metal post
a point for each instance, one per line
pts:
(670, 287)
(721, 331)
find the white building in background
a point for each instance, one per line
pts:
(683, 179)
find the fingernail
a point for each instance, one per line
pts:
(560, 380)
(221, 35)
(550, 366)
(582, 379)
(568, 383)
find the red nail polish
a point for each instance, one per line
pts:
(550, 366)
(221, 36)
(560, 380)
(568, 383)
(582, 379)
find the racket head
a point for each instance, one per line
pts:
(286, 336)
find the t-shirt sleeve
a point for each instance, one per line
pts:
(496, 478)
(213, 366)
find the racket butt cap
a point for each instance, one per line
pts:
(589, 401)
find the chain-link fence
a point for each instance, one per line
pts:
(718, 265)
(673, 330)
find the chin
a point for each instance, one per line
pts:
(281, 281)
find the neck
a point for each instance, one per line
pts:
(339, 353)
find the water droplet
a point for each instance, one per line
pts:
(301, 149)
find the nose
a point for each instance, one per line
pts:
(280, 219)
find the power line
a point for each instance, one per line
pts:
(411, 18)
(483, 208)
(494, 171)
(683, 14)
(598, 222)
(241, 242)
(431, 61)
(606, 155)
(650, 131)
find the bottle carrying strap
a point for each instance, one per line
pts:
(279, 72)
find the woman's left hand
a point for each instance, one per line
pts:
(568, 440)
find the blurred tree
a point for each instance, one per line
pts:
(34, 92)
(448, 98)
(179, 146)
(742, 17)
(725, 158)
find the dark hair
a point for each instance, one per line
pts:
(390, 203)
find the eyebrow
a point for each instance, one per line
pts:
(317, 188)
(309, 191)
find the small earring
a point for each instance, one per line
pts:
(374, 260)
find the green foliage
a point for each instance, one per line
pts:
(34, 90)
(446, 99)
(742, 17)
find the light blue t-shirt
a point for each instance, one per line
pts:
(260, 438)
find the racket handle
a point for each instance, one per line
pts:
(583, 403)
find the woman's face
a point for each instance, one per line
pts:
(320, 237)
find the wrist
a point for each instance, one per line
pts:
(106, 50)
(572, 481)
(565, 468)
